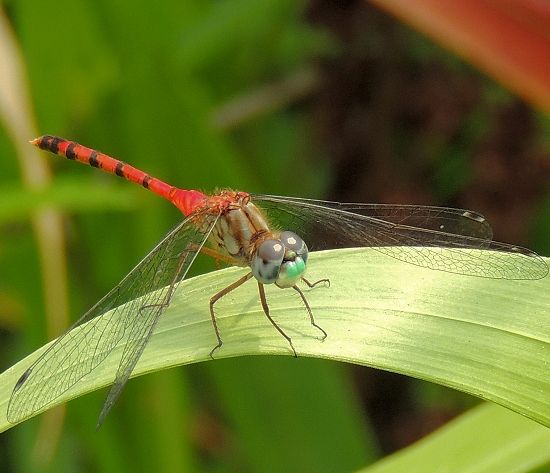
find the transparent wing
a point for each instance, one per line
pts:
(135, 305)
(443, 219)
(328, 226)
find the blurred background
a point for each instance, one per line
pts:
(335, 100)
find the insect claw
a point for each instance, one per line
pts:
(311, 285)
(322, 337)
(293, 349)
(214, 349)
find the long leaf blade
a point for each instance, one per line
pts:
(490, 338)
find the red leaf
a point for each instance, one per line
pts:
(508, 39)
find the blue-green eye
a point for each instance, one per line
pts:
(267, 261)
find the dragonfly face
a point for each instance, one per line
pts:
(281, 261)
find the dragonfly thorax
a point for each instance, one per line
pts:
(238, 230)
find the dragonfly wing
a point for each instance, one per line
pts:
(127, 314)
(148, 314)
(329, 227)
(445, 219)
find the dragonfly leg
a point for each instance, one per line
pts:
(306, 303)
(265, 307)
(313, 284)
(215, 299)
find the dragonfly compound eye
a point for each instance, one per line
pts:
(294, 244)
(267, 261)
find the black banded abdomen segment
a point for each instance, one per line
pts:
(93, 161)
(119, 169)
(49, 143)
(70, 154)
(77, 152)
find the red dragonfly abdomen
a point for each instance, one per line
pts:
(185, 200)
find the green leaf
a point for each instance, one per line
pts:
(489, 338)
(484, 440)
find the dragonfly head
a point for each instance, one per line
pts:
(281, 261)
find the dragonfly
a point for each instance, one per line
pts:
(265, 233)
